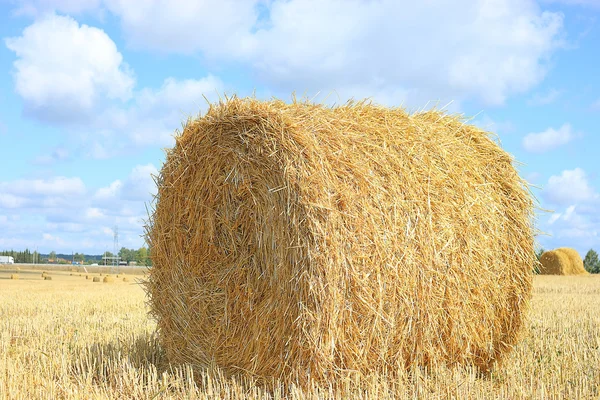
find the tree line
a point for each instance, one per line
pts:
(141, 256)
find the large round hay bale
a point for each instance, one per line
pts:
(96, 279)
(14, 276)
(300, 241)
(108, 279)
(562, 261)
(47, 278)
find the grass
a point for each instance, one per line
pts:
(71, 339)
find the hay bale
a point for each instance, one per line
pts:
(87, 277)
(562, 261)
(108, 279)
(14, 276)
(126, 279)
(47, 278)
(96, 279)
(300, 241)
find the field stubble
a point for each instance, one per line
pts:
(71, 338)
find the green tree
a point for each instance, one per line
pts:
(142, 256)
(79, 257)
(591, 262)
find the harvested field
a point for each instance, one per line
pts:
(71, 339)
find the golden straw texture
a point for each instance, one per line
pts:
(305, 242)
(562, 261)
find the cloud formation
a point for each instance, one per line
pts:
(63, 69)
(570, 187)
(549, 139)
(443, 51)
(62, 214)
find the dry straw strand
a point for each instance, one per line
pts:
(306, 242)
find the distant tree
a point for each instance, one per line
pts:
(591, 262)
(52, 255)
(142, 256)
(79, 257)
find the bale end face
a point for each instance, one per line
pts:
(562, 261)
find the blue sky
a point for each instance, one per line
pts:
(91, 91)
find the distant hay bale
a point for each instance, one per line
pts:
(126, 279)
(96, 279)
(47, 278)
(562, 261)
(306, 242)
(108, 279)
(14, 276)
(87, 277)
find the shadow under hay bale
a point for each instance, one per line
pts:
(304, 242)
(562, 261)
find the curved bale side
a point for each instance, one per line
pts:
(302, 242)
(575, 261)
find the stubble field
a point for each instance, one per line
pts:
(71, 338)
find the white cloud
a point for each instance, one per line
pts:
(184, 26)
(138, 187)
(140, 184)
(382, 49)
(63, 69)
(36, 8)
(62, 214)
(571, 186)
(584, 3)
(550, 139)
(541, 99)
(38, 187)
(157, 113)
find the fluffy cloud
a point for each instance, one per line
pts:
(139, 186)
(550, 139)
(39, 7)
(385, 49)
(211, 27)
(570, 187)
(62, 214)
(584, 3)
(63, 69)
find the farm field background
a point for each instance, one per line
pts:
(71, 338)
